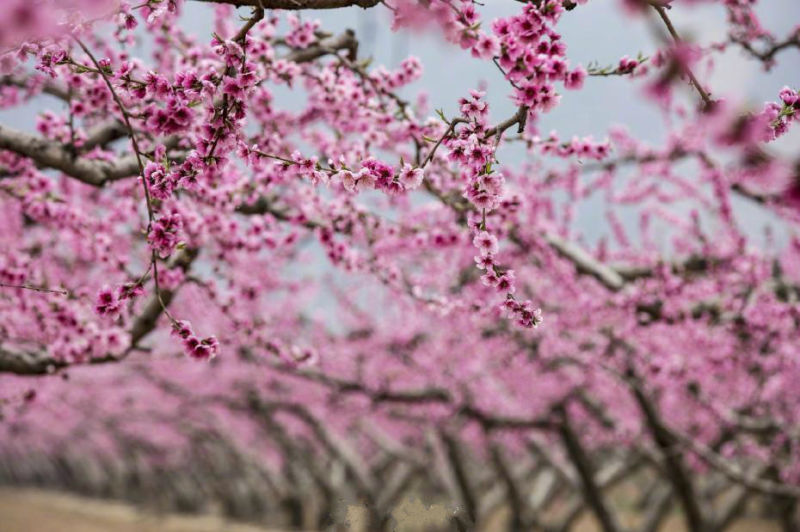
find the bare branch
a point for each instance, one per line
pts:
(48, 87)
(585, 263)
(456, 462)
(592, 492)
(662, 501)
(674, 467)
(258, 15)
(768, 54)
(516, 501)
(27, 363)
(344, 41)
(734, 472)
(51, 154)
(104, 134)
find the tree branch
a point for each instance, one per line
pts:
(296, 4)
(48, 87)
(585, 263)
(51, 154)
(31, 363)
(592, 492)
(675, 469)
(104, 134)
(455, 460)
(343, 41)
(707, 101)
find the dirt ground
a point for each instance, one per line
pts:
(29, 510)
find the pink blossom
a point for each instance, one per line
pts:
(107, 303)
(486, 243)
(410, 177)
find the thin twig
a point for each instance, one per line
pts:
(35, 288)
(707, 101)
(137, 152)
(449, 131)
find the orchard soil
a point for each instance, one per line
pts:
(31, 510)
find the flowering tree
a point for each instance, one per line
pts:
(164, 211)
